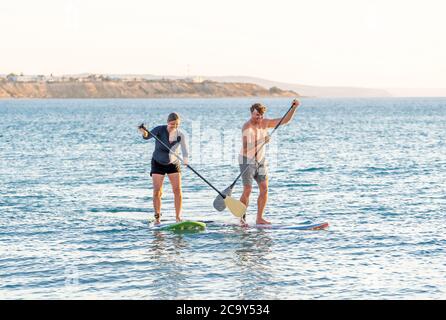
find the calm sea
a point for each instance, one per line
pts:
(76, 200)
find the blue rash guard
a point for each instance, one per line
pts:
(161, 154)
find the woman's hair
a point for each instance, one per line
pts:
(173, 116)
(259, 107)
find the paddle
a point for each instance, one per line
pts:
(219, 203)
(237, 208)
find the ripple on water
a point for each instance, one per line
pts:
(75, 204)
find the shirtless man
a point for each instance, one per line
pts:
(252, 155)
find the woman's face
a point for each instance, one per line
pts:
(173, 124)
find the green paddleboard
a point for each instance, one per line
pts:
(182, 226)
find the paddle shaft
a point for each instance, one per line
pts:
(263, 144)
(182, 160)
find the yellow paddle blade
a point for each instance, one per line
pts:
(237, 208)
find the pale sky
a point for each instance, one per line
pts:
(376, 43)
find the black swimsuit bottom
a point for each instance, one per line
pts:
(159, 168)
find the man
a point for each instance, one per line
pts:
(252, 155)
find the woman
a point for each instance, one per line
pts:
(164, 162)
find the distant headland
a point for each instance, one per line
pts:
(107, 86)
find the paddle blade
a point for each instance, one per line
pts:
(219, 202)
(237, 208)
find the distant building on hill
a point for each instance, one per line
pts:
(196, 79)
(26, 78)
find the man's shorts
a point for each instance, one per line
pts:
(251, 170)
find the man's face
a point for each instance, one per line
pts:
(256, 116)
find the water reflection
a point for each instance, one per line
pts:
(252, 257)
(169, 272)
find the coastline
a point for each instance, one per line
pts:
(135, 89)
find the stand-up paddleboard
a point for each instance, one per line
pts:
(181, 226)
(312, 226)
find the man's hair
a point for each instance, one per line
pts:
(259, 107)
(173, 116)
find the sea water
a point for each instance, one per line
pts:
(76, 201)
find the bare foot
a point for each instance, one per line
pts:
(262, 221)
(243, 223)
(179, 219)
(157, 217)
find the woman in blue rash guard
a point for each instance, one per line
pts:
(163, 162)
